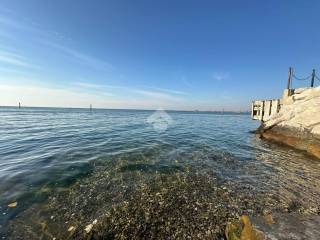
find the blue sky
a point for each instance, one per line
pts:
(186, 55)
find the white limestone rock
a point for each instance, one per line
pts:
(302, 114)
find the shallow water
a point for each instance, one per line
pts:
(43, 150)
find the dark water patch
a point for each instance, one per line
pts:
(40, 195)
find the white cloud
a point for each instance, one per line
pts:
(220, 76)
(88, 85)
(168, 90)
(97, 86)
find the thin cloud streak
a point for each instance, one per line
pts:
(14, 59)
(159, 93)
(45, 96)
(81, 57)
(9, 22)
(99, 86)
(168, 90)
(88, 85)
(42, 36)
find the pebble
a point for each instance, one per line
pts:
(71, 228)
(13, 205)
(88, 228)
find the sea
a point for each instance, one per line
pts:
(68, 166)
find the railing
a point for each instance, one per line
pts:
(263, 110)
(312, 78)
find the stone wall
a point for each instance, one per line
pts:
(297, 124)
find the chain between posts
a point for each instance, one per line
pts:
(301, 79)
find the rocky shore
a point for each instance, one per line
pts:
(297, 124)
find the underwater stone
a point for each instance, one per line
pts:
(13, 205)
(88, 228)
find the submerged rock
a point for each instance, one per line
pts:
(243, 230)
(13, 205)
(88, 228)
(71, 228)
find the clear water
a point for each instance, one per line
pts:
(42, 147)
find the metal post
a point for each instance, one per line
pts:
(312, 77)
(289, 78)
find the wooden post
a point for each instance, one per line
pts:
(312, 77)
(90, 107)
(19, 105)
(289, 78)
